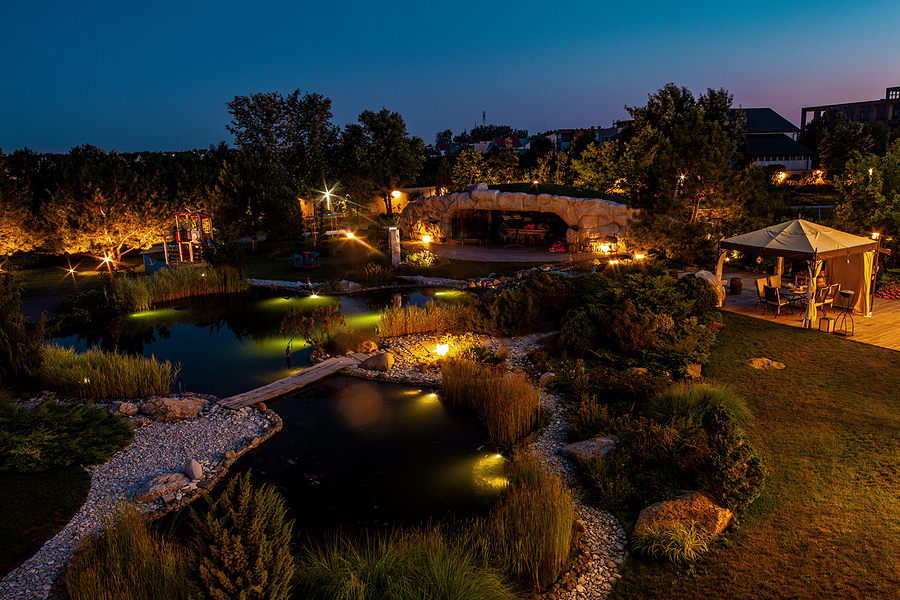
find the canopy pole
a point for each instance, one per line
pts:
(720, 266)
(779, 266)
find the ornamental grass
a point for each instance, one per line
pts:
(400, 565)
(529, 532)
(98, 373)
(432, 318)
(169, 285)
(507, 404)
(129, 561)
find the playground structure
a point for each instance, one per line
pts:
(191, 228)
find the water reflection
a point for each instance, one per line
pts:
(356, 452)
(230, 344)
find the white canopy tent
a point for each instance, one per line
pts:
(848, 259)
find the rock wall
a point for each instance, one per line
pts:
(589, 219)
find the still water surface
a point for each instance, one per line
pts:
(352, 452)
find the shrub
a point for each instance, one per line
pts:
(315, 328)
(84, 308)
(54, 435)
(20, 346)
(732, 470)
(482, 354)
(536, 304)
(689, 403)
(129, 561)
(97, 373)
(400, 565)
(529, 532)
(699, 293)
(507, 404)
(242, 544)
(677, 542)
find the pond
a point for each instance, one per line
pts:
(352, 452)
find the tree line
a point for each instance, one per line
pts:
(682, 161)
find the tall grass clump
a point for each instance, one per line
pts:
(507, 404)
(242, 543)
(167, 285)
(97, 373)
(399, 565)
(691, 402)
(53, 435)
(675, 541)
(129, 561)
(431, 318)
(529, 532)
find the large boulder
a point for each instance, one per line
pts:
(163, 409)
(699, 507)
(581, 452)
(383, 361)
(160, 486)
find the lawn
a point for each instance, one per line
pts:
(828, 522)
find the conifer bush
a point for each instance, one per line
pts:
(242, 544)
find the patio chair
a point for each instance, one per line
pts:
(775, 301)
(774, 281)
(831, 293)
(801, 278)
(760, 292)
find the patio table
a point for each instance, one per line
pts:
(794, 294)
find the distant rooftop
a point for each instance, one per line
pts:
(765, 120)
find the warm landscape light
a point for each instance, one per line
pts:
(426, 239)
(614, 262)
(395, 194)
(350, 235)
(875, 235)
(441, 349)
(639, 256)
(605, 248)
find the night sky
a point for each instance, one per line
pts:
(156, 75)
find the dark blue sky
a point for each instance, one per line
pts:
(155, 75)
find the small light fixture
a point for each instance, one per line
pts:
(396, 194)
(350, 235)
(614, 262)
(426, 239)
(605, 248)
(441, 349)
(639, 256)
(875, 235)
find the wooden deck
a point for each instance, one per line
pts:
(293, 382)
(881, 329)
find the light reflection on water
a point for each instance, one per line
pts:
(351, 451)
(356, 452)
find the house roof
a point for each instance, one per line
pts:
(776, 144)
(765, 120)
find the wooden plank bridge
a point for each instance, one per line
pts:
(293, 382)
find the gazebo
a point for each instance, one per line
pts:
(847, 259)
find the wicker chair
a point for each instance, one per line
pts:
(775, 301)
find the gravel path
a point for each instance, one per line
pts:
(157, 448)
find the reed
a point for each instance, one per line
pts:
(400, 565)
(169, 285)
(431, 318)
(98, 373)
(507, 404)
(675, 541)
(129, 561)
(529, 533)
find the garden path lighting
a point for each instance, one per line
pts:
(426, 239)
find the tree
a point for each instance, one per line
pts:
(870, 190)
(470, 168)
(99, 207)
(259, 121)
(555, 167)
(389, 157)
(503, 166)
(16, 229)
(443, 137)
(489, 132)
(678, 166)
(839, 145)
(253, 194)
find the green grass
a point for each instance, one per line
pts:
(34, 507)
(168, 285)
(828, 521)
